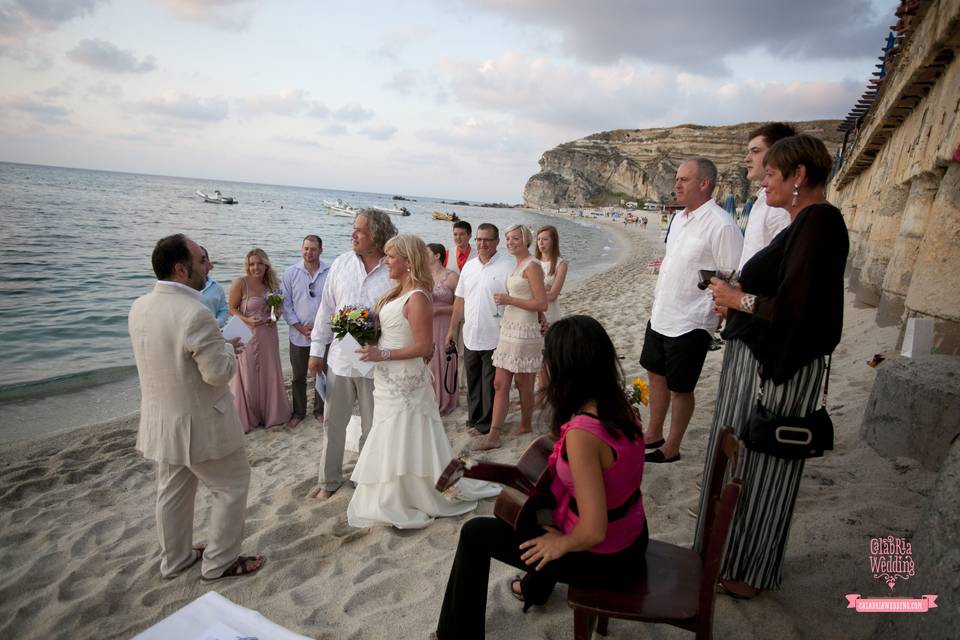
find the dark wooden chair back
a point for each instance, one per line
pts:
(676, 586)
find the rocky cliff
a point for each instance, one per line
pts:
(640, 164)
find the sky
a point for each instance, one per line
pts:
(445, 98)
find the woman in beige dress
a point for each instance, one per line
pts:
(519, 350)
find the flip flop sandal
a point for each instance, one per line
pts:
(197, 556)
(657, 456)
(654, 445)
(238, 569)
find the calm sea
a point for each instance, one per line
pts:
(75, 251)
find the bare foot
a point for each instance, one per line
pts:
(321, 494)
(520, 432)
(492, 441)
(294, 421)
(739, 590)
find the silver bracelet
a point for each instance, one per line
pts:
(747, 302)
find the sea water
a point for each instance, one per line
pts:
(75, 253)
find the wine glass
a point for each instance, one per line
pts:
(728, 275)
(499, 287)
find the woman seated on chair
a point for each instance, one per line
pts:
(599, 531)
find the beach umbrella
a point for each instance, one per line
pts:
(730, 204)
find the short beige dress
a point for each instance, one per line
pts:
(520, 347)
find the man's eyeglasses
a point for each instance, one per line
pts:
(310, 289)
(485, 239)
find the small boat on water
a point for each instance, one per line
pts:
(340, 208)
(446, 217)
(393, 211)
(216, 198)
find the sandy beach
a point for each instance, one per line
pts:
(79, 552)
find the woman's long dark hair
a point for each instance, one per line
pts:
(582, 365)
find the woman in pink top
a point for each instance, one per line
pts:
(599, 535)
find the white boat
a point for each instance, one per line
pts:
(340, 208)
(216, 198)
(393, 211)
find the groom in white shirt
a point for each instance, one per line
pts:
(355, 277)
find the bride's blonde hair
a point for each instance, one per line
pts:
(414, 251)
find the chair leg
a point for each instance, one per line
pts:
(583, 622)
(602, 625)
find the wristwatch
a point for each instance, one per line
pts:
(384, 354)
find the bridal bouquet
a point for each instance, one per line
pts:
(357, 320)
(638, 393)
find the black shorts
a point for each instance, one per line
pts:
(679, 360)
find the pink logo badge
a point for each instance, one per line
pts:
(891, 559)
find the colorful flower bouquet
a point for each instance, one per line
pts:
(638, 393)
(359, 321)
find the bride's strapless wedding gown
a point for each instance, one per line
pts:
(407, 448)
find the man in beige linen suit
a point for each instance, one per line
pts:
(188, 422)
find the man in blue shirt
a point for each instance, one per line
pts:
(302, 287)
(213, 296)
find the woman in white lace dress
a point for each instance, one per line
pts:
(519, 350)
(407, 448)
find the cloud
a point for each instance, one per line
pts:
(230, 15)
(21, 20)
(186, 108)
(403, 82)
(104, 90)
(286, 102)
(475, 134)
(301, 142)
(336, 129)
(62, 90)
(106, 56)
(42, 111)
(394, 41)
(577, 100)
(353, 112)
(379, 131)
(698, 34)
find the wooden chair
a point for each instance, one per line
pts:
(676, 586)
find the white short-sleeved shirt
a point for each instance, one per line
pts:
(763, 224)
(705, 238)
(478, 282)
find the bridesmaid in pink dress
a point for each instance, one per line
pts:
(444, 373)
(257, 387)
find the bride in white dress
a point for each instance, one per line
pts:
(407, 448)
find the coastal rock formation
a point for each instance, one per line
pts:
(640, 164)
(899, 183)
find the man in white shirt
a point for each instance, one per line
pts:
(473, 305)
(302, 287)
(357, 277)
(764, 221)
(702, 236)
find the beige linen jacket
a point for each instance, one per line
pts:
(187, 413)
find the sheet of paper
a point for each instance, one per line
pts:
(351, 346)
(237, 328)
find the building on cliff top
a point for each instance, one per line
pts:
(898, 182)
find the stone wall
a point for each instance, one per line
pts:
(899, 190)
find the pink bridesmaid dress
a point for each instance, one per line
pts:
(442, 369)
(257, 387)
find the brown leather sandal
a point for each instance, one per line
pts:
(238, 569)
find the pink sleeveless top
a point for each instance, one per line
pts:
(621, 483)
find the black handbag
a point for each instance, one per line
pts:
(794, 438)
